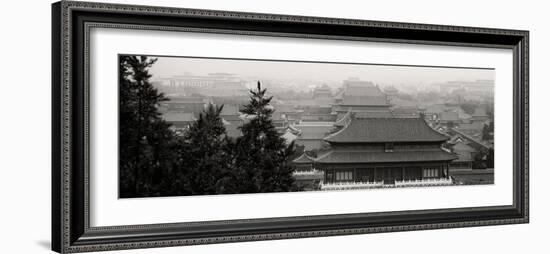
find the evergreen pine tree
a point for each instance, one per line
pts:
(202, 157)
(262, 157)
(144, 136)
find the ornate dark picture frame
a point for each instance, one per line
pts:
(71, 22)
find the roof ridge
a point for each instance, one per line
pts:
(303, 155)
(323, 155)
(339, 131)
(433, 130)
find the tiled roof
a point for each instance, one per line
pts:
(470, 138)
(405, 111)
(464, 152)
(313, 131)
(363, 93)
(386, 130)
(289, 137)
(355, 156)
(364, 100)
(303, 159)
(404, 103)
(318, 110)
(373, 114)
(344, 120)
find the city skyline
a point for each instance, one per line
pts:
(421, 76)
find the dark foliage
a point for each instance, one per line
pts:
(202, 157)
(155, 162)
(488, 131)
(490, 158)
(262, 157)
(145, 137)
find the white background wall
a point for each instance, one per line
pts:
(25, 125)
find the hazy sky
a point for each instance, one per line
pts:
(169, 66)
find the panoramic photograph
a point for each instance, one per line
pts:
(207, 126)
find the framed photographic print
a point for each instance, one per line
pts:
(182, 126)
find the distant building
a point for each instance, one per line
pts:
(449, 118)
(392, 93)
(477, 86)
(361, 97)
(406, 111)
(480, 115)
(318, 114)
(184, 104)
(288, 112)
(473, 141)
(279, 121)
(384, 151)
(465, 154)
(311, 134)
(289, 136)
(179, 120)
(322, 92)
(213, 84)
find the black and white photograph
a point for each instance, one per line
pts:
(206, 126)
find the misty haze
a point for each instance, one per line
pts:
(203, 126)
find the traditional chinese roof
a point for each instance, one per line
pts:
(289, 137)
(373, 114)
(405, 111)
(456, 139)
(344, 120)
(471, 139)
(359, 156)
(464, 152)
(365, 100)
(322, 90)
(362, 93)
(314, 130)
(318, 110)
(404, 103)
(375, 130)
(303, 159)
